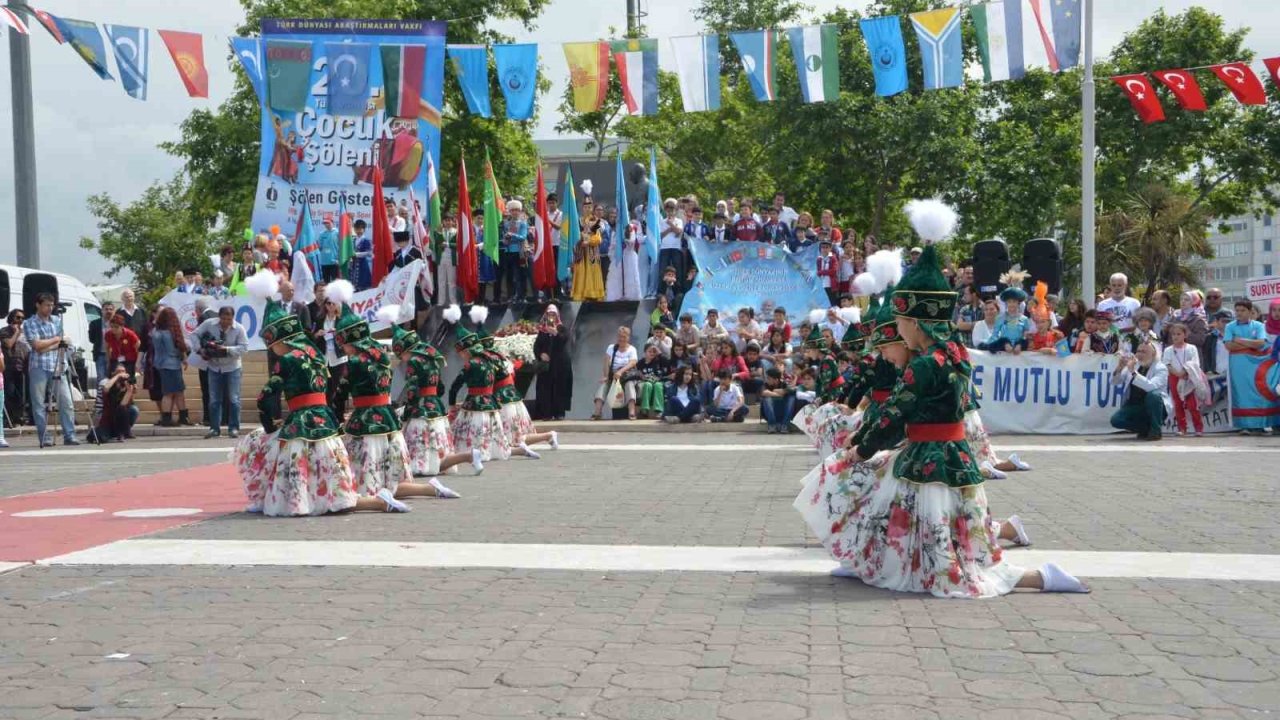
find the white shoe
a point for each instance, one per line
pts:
(1057, 580)
(529, 453)
(1021, 538)
(555, 440)
(442, 491)
(477, 460)
(843, 572)
(990, 471)
(393, 505)
(1019, 462)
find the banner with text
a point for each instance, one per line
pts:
(1260, 290)
(395, 289)
(1074, 395)
(755, 275)
(330, 147)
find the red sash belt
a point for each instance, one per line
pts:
(368, 401)
(428, 392)
(836, 383)
(506, 381)
(880, 395)
(935, 432)
(298, 402)
(474, 391)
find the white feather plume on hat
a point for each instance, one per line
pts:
(817, 315)
(339, 292)
(866, 284)
(851, 315)
(389, 314)
(478, 314)
(452, 314)
(262, 284)
(933, 220)
(886, 267)
(586, 186)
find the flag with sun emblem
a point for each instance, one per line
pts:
(130, 47)
(348, 65)
(814, 48)
(87, 41)
(588, 74)
(187, 51)
(518, 77)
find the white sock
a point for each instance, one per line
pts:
(393, 505)
(1019, 462)
(529, 453)
(1058, 580)
(555, 440)
(442, 491)
(477, 460)
(1020, 533)
(843, 572)
(990, 471)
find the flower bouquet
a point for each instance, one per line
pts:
(516, 341)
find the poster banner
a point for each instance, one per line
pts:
(330, 156)
(1075, 395)
(756, 275)
(396, 289)
(1263, 289)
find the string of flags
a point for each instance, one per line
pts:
(1239, 78)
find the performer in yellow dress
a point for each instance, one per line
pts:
(588, 281)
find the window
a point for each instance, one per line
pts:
(1266, 268)
(1266, 220)
(1236, 226)
(1266, 245)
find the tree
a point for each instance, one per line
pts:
(152, 236)
(1154, 236)
(598, 125)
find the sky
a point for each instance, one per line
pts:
(92, 138)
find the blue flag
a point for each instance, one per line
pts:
(653, 223)
(755, 47)
(940, 49)
(1066, 32)
(518, 77)
(348, 65)
(305, 240)
(624, 211)
(131, 51)
(471, 66)
(249, 51)
(87, 41)
(570, 227)
(888, 53)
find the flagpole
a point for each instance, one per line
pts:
(26, 213)
(1087, 166)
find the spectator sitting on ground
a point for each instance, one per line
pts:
(776, 401)
(619, 359)
(835, 324)
(114, 411)
(687, 335)
(670, 290)
(728, 403)
(662, 315)
(712, 333)
(683, 405)
(806, 389)
(777, 352)
(754, 381)
(1144, 322)
(747, 331)
(660, 340)
(726, 359)
(680, 358)
(781, 323)
(652, 370)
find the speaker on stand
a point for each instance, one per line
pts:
(1042, 257)
(990, 261)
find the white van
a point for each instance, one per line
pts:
(19, 287)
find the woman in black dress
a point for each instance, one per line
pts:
(555, 382)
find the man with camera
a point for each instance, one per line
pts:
(114, 411)
(222, 342)
(49, 363)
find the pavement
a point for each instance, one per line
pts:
(628, 575)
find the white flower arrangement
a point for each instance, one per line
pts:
(516, 346)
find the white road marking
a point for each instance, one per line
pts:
(157, 512)
(629, 558)
(56, 512)
(11, 566)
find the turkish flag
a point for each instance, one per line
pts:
(1273, 67)
(1242, 82)
(468, 260)
(187, 51)
(544, 259)
(383, 251)
(1142, 95)
(1184, 87)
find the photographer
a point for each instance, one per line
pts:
(114, 410)
(45, 336)
(222, 342)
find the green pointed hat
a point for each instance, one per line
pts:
(402, 340)
(278, 323)
(885, 331)
(854, 336)
(466, 340)
(924, 293)
(350, 328)
(428, 351)
(815, 341)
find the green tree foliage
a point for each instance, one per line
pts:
(1151, 236)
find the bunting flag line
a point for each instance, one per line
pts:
(517, 67)
(939, 34)
(289, 74)
(1273, 67)
(637, 61)
(471, 67)
(11, 18)
(468, 262)
(187, 51)
(698, 69)
(817, 61)
(888, 53)
(1142, 95)
(1184, 87)
(999, 31)
(1242, 82)
(755, 48)
(383, 249)
(544, 260)
(130, 47)
(249, 51)
(403, 67)
(588, 74)
(50, 24)
(570, 226)
(494, 207)
(87, 41)
(348, 76)
(624, 208)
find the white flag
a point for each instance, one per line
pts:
(698, 68)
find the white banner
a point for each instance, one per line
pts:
(395, 289)
(1039, 394)
(1259, 290)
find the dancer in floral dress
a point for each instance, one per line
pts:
(307, 472)
(835, 430)
(379, 455)
(426, 425)
(914, 518)
(830, 382)
(478, 424)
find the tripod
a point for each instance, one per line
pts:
(61, 367)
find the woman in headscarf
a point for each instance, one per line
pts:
(554, 389)
(1272, 321)
(1192, 315)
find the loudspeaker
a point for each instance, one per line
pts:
(990, 261)
(32, 285)
(1042, 257)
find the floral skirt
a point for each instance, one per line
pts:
(835, 429)
(805, 420)
(309, 478)
(430, 442)
(481, 430)
(900, 535)
(516, 423)
(378, 461)
(254, 457)
(976, 434)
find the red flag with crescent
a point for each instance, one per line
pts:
(1242, 82)
(1142, 95)
(1184, 87)
(1273, 67)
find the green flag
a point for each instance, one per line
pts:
(346, 237)
(493, 205)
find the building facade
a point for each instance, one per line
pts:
(1247, 249)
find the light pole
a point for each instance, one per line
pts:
(1087, 161)
(26, 214)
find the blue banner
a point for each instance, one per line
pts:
(326, 158)
(130, 46)
(348, 78)
(888, 53)
(756, 275)
(518, 77)
(471, 67)
(249, 51)
(87, 41)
